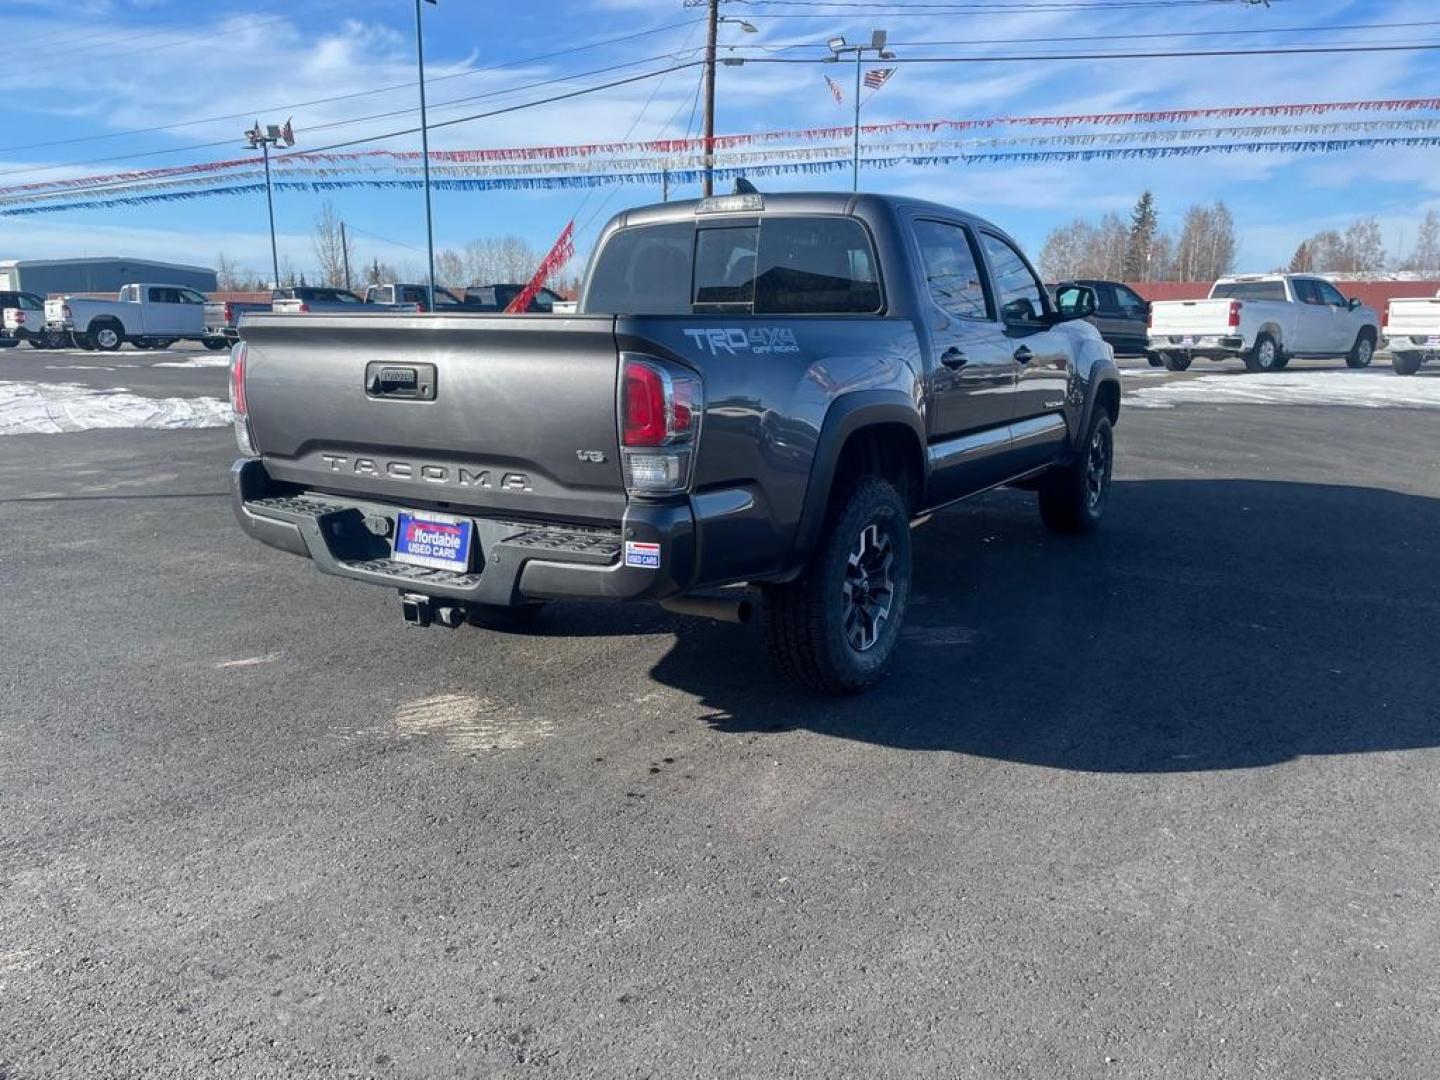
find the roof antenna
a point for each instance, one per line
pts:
(744, 187)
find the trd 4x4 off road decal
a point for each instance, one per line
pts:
(758, 340)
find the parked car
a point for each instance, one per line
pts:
(410, 297)
(1264, 319)
(1412, 327)
(1121, 314)
(499, 297)
(148, 316)
(757, 389)
(222, 319)
(307, 299)
(22, 318)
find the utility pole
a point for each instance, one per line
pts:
(712, 21)
(425, 154)
(345, 254)
(839, 47)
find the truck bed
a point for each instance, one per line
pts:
(1417, 317)
(1190, 318)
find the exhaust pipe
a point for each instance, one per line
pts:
(724, 609)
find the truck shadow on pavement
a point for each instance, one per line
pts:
(1208, 625)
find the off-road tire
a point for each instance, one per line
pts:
(805, 620)
(1406, 363)
(1175, 361)
(1073, 496)
(1362, 352)
(1264, 355)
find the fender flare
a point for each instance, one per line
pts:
(846, 415)
(1102, 377)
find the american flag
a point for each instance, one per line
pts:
(835, 90)
(877, 77)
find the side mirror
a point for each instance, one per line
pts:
(1353, 303)
(1075, 302)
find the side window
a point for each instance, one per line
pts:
(1330, 295)
(952, 270)
(1021, 298)
(1307, 291)
(1106, 298)
(1131, 302)
(29, 303)
(190, 296)
(130, 293)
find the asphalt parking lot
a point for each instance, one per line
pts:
(1161, 801)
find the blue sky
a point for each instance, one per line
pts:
(96, 70)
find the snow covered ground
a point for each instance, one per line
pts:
(1370, 389)
(28, 408)
(209, 360)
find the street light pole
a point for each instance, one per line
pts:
(262, 139)
(838, 48)
(425, 154)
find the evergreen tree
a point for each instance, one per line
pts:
(1144, 224)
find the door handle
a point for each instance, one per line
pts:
(1023, 355)
(953, 358)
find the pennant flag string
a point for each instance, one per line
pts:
(654, 177)
(724, 142)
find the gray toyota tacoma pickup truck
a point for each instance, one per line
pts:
(760, 390)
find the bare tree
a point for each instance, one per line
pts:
(378, 273)
(332, 246)
(1425, 257)
(450, 268)
(1364, 247)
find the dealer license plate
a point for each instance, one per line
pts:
(434, 540)
(1188, 340)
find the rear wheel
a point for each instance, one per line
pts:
(215, 344)
(1362, 352)
(834, 629)
(1073, 496)
(1155, 360)
(1406, 363)
(106, 336)
(1265, 356)
(1175, 361)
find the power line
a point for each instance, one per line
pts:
(1123, 37)
(343, 123)
(348, 97)
(1157, 55)
(990, 6)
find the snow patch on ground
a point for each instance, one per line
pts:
(52, 408)
(223, 360)
(469, 724)
(1364, 389)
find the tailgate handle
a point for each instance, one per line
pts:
(402, 382)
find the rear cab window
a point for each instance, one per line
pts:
(1248, 290)
(805, 265)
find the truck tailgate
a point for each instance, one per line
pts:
(1418, 317)
(1190, 318)
(521, 416)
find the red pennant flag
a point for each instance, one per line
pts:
(835, 91)
(287, 133)
(560, 254)
(878, 77)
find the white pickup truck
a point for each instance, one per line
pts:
(1412, 325)
(147, 316)
(1265, 320)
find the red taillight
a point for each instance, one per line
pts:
(229, 313)
(1385, 318)
(643, 422)
(421, 308)
(1234, 313)
(304, 307)
(237, 380)
(19, 318)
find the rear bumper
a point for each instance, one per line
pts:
(1207, 344)
(518, 562)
